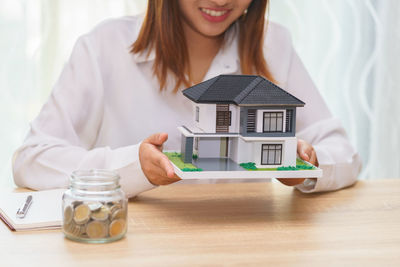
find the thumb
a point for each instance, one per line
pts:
(302, 150)
(157, 139)
(304, 156)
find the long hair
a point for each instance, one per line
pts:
(162, 31)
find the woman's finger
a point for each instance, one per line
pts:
(157, 139)
(291, 181)
(313, 158)
(159, 177)
(164, 163)
(304, 151)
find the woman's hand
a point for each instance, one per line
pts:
(307, 153)
(155, 164)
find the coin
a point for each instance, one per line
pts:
(101, 215)
(82, 214)
(115, 207)
(118, 214)
(95, 206)
(117, 227)
(73, 229)
(68, 214)
(82, 229)
(78, 230)
(96, 229)
(68, 227)
(76, 203)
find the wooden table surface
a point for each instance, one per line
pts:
(234, 224)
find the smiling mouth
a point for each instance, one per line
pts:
(214, 13)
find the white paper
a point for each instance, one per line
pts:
(44, 213)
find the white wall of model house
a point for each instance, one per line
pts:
(209, 147)
(235, 118)
(208, 117)
(241, 149)
(249, 150)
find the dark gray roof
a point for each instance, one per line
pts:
(241, 90)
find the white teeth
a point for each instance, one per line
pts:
(214, 13)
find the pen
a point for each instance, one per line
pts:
(21, 213)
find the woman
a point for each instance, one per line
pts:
(121, 82)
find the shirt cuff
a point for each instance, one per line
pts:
(125, 161)
(311, 185)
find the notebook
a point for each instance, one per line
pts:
(44, 212)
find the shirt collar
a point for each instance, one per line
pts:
(226, 61)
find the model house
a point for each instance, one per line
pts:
(240, 119)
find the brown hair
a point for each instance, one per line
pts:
(162, 31)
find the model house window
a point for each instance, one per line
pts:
(289, 114)
(223, 118)
(273, 122)
(271, 155)
(197, 114)
(251, 120)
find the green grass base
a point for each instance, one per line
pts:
(175, 158)
(251, 166)
(300, 166)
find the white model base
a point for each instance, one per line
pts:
(317, 173)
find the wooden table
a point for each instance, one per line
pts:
(234, 224)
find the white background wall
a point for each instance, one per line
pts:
(351, 49)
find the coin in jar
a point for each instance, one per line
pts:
(78, 230)
(68, 214)
(82, 214)
(101, 215)
(118, 214)
(95, 206)
(96, 229)
(114, 207)
(76, 203)
(117, 227)
(68, 227)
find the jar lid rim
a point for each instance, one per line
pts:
(96, 173)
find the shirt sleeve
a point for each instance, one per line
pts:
(315, 124)
(62, 138)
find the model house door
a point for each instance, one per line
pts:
(223, 149)
(223, 118)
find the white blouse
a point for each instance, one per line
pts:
(107, 100)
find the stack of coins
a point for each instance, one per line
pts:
(95, 220)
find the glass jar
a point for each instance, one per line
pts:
(94, 207)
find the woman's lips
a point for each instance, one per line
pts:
(214, 15)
